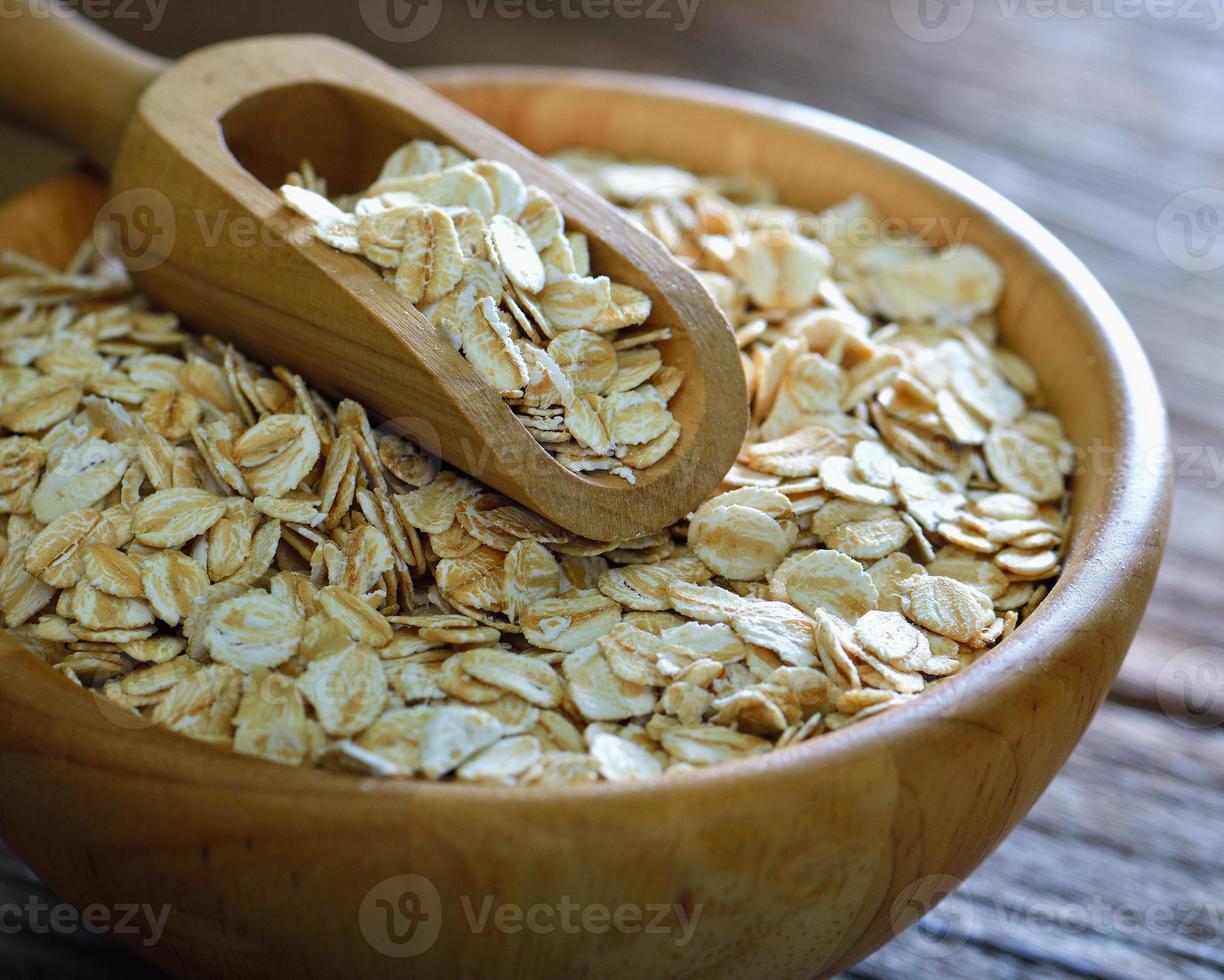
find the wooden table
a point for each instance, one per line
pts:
(1099, 124)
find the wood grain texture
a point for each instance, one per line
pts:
(1143, 901)
(285, 297)
(1093, 126)
(193, 190)
(62, 76)
(1114, 874)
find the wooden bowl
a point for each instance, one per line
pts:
(797, 863)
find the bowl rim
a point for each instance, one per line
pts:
(1139, 491)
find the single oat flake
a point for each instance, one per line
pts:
(212, 545)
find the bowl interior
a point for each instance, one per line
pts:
(1053, 312)
(343, 132)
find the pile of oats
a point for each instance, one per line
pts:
(214, 546)
(488, 260)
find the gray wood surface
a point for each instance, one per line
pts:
(1101, 124)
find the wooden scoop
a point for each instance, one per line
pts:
(195, 151)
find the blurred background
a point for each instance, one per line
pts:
(1101, 118)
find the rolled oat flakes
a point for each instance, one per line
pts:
(212, 545)
(489, 261)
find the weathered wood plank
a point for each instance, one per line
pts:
(1115, 873)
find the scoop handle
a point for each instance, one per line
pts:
(67, 78)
